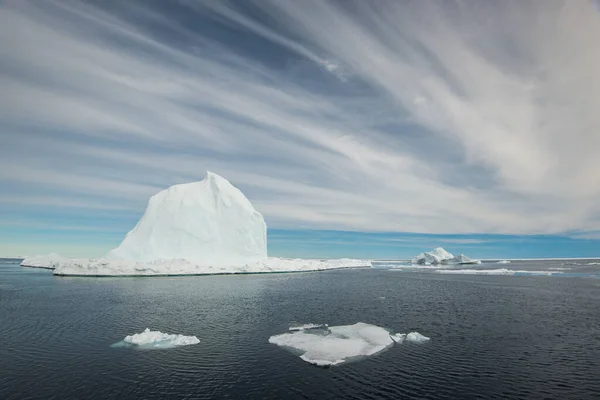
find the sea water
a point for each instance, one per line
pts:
(491, 336)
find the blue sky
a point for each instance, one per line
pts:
(472, 125)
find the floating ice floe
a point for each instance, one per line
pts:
(102, 267)
(158, 340)
(499, 271)
(205, 227)
(335, 345)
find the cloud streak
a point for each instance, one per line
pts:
(433, 117)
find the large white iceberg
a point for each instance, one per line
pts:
(49, 261)
(159, 340)
(335, 345)
(440, 256)
(206, 227)
(210, 222)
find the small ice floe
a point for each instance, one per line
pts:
(157, 340)
(335, 345)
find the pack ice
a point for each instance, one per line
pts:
(440, 256)
(205, 227)
(325, 345)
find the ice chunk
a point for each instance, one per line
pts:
(303, 327)
(337, 344)
(157, 339)
(398, 337)
(416, 337)
(440, 256)
(210, 222)
(436, 256)
(462, 259)
(49, 261)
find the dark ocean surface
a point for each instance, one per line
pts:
(519, 336)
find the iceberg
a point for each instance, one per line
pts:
(49, 261)
(205, 227)
(440, 256)
(335, 345)
(159, 340)
(436, 256)
(210, 222)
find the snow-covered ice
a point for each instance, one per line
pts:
(157, 339)
(462, 259)
(206, 227)
(436, 256)
(337, 344)
(49, 261)
(499, 271)
(103, 267)
(440, 256)
(416, 337)
(210, 222)
(303, 327)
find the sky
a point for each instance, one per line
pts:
(357, 128)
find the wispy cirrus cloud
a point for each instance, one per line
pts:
(428, 117)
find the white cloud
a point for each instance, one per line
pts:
(463, 117)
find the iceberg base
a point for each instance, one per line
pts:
(103, 267)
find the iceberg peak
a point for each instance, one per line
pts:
(208, 221)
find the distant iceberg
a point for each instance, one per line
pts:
(335, 345)
(205, 227)
(440, 256)
(159, 340)
(49, 261)
(436, 256)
